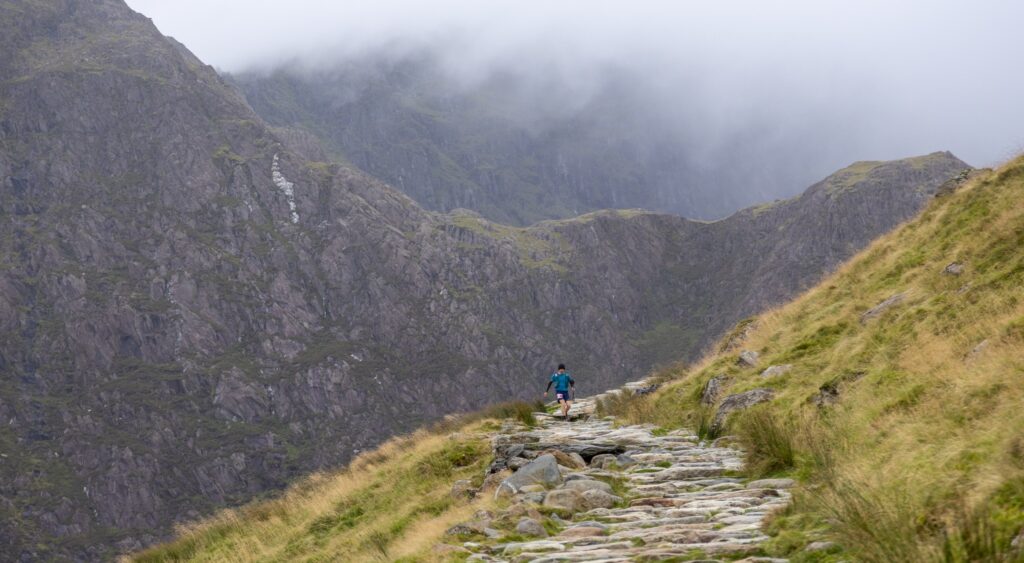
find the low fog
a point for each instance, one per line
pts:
(805, 87)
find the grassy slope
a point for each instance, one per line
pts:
(390, 504)
(922, 458)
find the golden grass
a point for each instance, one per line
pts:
(391, 502)
(925, 429)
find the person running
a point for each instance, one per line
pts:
(565, 389)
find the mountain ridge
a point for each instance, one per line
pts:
(173, 339)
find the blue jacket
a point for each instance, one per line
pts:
(562, 381)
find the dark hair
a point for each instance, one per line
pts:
(561, 366)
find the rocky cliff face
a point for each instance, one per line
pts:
(194, 310)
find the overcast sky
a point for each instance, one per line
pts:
(896, 78)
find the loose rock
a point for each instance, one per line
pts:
(602, 460)
(953, 269)
(532, 528)
(712, 389)
(741, 401)
(819, 546)
(566, 499)
(882, 307)
(978, 350)
(748, 358)
(463, 489)
(493, 481)
(541, 471)
(775, 371)
(566, 459)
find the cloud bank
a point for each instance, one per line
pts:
(873, 79)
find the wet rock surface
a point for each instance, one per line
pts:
(677, 497)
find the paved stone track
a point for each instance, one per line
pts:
(684, 501)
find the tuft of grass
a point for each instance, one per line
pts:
(767, 441)
(704, 423)
(626, 407)
(878, 526)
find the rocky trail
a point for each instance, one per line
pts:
(587, 490)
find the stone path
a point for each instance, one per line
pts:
(673, 497)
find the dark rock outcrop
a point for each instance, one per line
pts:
(741, 401)
(712, 389)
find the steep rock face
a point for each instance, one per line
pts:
(193, 312)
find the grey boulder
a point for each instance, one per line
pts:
(597, 498)
(566, 499)
(541, 471)
(748, 358)
(531, 528)
(741, 401)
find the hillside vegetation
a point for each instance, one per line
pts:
(392, 503)
(901, 423)
(900, 412)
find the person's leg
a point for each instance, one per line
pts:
(565, 409)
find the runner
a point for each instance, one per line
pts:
(565, 389)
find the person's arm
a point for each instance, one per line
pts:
(572, 387)
(550, 381)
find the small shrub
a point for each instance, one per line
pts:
(379, 541)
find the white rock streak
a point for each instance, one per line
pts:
(286, 187)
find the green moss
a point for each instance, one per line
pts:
(224, 153)
(537, 249)
(849, 177)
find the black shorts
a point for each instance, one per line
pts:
(562, 395)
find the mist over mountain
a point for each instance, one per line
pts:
(502, 149)
(721, 105)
